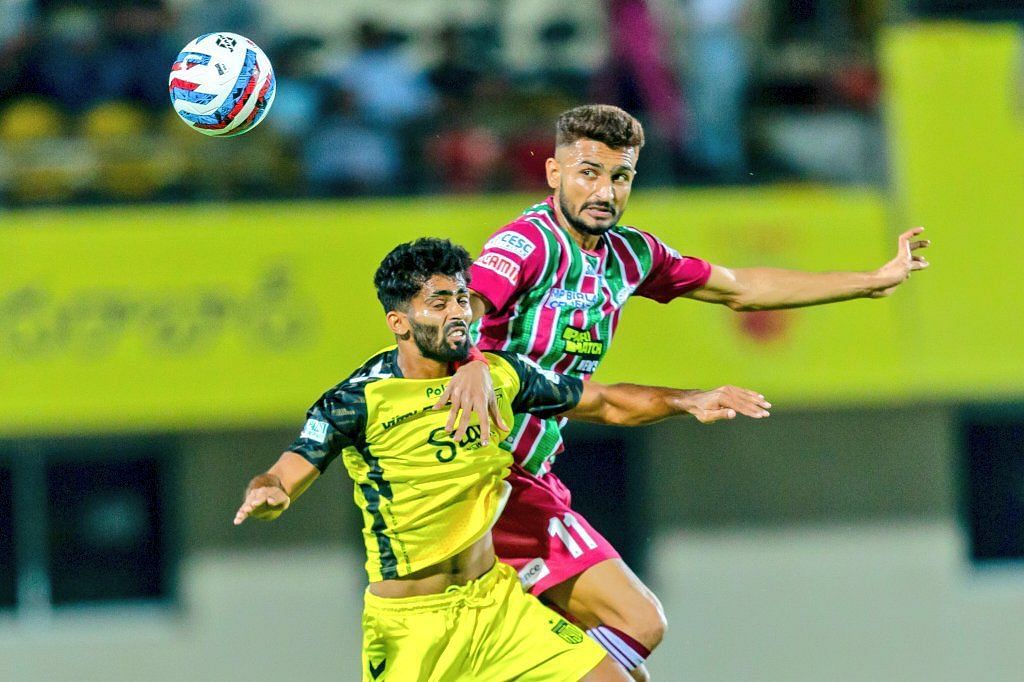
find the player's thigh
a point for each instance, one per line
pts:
(541, 536)
(522, 639)
(610, 593)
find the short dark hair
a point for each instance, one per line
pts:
(600, 122)
(403, 272)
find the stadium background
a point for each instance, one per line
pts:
(169, 305)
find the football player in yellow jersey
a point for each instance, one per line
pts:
(439, 606)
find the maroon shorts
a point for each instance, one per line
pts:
(542, 537)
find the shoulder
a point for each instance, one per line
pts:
(504, 366)
(636, 239)
(523, 367)
(521, 240)
(352, 390)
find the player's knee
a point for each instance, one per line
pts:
(646, 621)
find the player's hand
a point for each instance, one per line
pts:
(725, 402)
(265, 504)
(896, 271)
(470, 392)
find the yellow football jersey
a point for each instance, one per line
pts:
(423, 496)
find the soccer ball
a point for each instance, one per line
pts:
(222, 84)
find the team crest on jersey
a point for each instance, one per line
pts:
(511, 242)
(567, 631)
(622, 294)
(505, 267)
(565, 298)
(314, 430)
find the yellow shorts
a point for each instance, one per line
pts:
(487, 631)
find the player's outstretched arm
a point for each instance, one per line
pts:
(635, 405)
(770, 288)
(270, 493)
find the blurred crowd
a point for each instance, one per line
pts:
(731, 91)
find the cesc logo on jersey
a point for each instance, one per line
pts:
(511, 242)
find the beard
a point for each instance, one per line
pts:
(577, 222)
(434, 345)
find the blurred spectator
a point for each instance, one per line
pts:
(456, 73)
(14, 20)
(16, 34)
(67, 63)
(560, 69)
(344, 156)
(244, 17)
(298, 75)
(389, 89)
(137, 47)
(716, 73)
(639, 78)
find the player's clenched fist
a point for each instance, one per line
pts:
(725, 402)
(264, 503)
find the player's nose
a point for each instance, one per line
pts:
(605, 191)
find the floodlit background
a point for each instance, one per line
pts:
(170, 304)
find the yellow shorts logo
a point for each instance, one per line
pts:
(567, 631)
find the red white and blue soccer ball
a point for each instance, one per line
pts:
(222, 84)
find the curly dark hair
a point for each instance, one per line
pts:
(403, 271)
(602, 123)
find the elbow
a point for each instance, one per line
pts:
(742, 300)
(742, 305)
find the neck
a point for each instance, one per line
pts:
(585, 241)
(415, 366)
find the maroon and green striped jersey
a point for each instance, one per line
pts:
(559, 304)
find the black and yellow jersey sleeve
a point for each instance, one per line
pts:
(541, 392)
(338, 419)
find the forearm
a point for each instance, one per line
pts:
(631, 404)
(772, 289)
(292, 473)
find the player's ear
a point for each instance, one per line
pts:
(398, 323)
(554, 172)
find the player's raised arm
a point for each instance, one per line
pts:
(270, 493)
(545, 393)
(332, 424)
(635, 405)
(771, 288)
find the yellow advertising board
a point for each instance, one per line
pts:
(955, 107)
(217, 316)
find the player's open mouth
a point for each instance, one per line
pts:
(457, 334)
